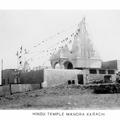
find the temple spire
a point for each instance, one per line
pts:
(82, 27)
(82, 45)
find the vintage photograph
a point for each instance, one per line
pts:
(59, 59)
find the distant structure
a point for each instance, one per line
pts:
(82, 54)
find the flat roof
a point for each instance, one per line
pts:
(96, 68)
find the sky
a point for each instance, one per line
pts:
(29, 27)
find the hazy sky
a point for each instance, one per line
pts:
(29, 27)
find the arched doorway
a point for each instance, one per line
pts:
(57, 65)
(68, 65)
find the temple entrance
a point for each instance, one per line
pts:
(68, 65)
(80, 79)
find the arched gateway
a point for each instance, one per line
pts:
(68, 65)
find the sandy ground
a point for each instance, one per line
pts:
(60, 98)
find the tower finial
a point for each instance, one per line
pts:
(82, 26)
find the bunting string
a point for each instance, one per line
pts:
(46, 47)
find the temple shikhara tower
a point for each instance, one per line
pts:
(81, 55)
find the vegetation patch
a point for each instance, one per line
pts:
(104, 88)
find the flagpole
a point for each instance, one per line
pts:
(1, 72)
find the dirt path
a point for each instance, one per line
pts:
(60, 98)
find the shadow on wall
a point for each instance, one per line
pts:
(18, 77)
(32, 77)
(17, 88)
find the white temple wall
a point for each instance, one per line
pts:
(54, 77)
(87, 63)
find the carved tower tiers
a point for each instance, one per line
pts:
(82, 54)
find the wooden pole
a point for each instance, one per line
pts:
(1, 77)
(40, 85)
(9, 86)
(10, 89)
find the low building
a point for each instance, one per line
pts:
(54, 77)
(113, 64)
